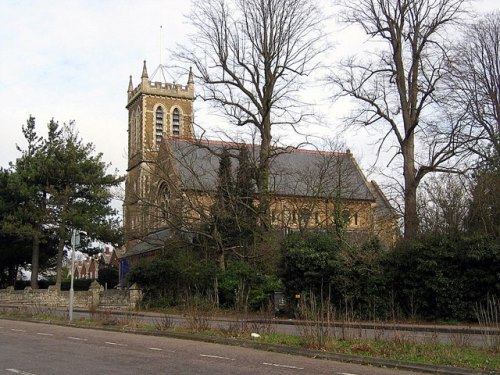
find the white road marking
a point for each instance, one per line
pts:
(114, 343)
(18, 330)
(285, 366)
(76, 338)
(345, 373)
(15, 371)
(163, 350)
(216, 356)
(45, 334)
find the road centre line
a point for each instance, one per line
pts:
(16, 371)
(345, 373)
(216, 357)
(114, 343)
(44, 334)
(76, 338)
(18, 330)
(160, 349)
(284, 366)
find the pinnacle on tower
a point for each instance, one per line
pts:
(190, 78)
(144, 71)
(130, 86)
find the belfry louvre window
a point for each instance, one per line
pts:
(176, 123)
(159, 125)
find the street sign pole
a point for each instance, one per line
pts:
(75, 240)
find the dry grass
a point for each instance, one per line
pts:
(319, 322)
(488, 317)
(164, 323)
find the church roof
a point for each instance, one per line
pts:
(153, 241)
(294, 172)
(384, 208)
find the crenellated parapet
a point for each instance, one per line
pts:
(148, 87)
(161, 89)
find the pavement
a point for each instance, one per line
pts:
(411, 327)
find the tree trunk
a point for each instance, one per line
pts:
(410, 190)
(60, 255)
(35, 255)
(263, 178)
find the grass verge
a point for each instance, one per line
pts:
(466, 356)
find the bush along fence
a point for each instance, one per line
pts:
(95, 297)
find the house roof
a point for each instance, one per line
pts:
(294, 172)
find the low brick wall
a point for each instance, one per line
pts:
(95, 297)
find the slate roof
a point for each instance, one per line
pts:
(153, 241)
(384, 208)
(294, 172)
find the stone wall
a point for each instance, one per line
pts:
(95, 297)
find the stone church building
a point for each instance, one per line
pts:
(172, 177)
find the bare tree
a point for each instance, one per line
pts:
(398, 87)
(484, 209)
(475, 86)
(443, 204)
(251, 57)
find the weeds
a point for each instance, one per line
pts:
(460, 339)
(104, 317)
(129, 320)
(488, 318)
(39, 311)
(237, 328)
(164, 323)
(196, 321)
(318, 317)
(400, 339)
(265, 324)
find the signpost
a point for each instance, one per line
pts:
(75, 241)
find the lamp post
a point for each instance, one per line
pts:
(75, 240)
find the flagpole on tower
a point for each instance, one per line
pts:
(160, 44)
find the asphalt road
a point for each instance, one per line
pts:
(40, 349)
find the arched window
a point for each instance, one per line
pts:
(159, 125)
(138, 135)
(164, 197)
(346, 216)
(176, 122)
(132, 133)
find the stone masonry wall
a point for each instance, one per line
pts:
(95, 297)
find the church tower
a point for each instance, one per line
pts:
(156, 111)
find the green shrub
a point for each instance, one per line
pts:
(177, 273)
(309, 262)
(443, 278)
(242, 285)
(108, 276)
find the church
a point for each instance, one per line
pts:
(172, 177)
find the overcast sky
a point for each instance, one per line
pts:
(70, 60)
